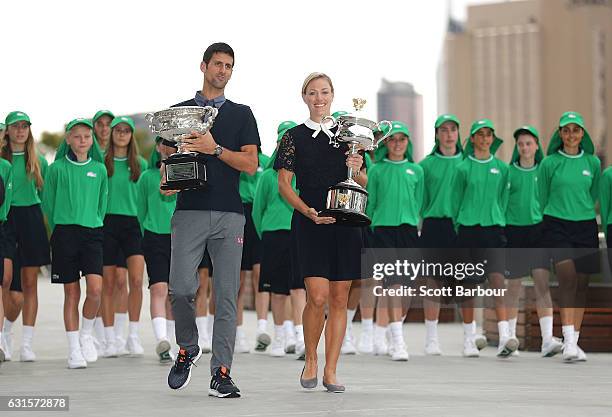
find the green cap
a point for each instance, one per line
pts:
(566, 118)
(74, 122)
(16, 116)
(476, 126)
(123, 119)
(533, 132)
(339, 113)
(101, 113)
(283, 127)
(443, 118)
(396, 127)
(94, 152)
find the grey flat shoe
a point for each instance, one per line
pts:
(308, 383)
(336, 388)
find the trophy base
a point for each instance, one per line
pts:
(346, 217)
(346, 202)
(192, 184)
(185, 172)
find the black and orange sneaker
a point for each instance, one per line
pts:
(180, 374)
(222, 386)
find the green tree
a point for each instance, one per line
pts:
(52, 140)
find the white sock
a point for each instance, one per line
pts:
(546, 328)
(469, 330)
(299, 332)
(134, 328)
(474, 328)
(7, 326)
(350, 315)
(262, 325)
(279, 332)
(171, 331)
(210, 323)
(109, 332)
(73, 340)
(27, 334)
(512, 325)
(121, 320)
(397, 332)
(239, 332)
(503, 327)
(367, 325)
(0, 334)
(99, 330)
(87, 326)
(379, 332)
(160, 329)
(569, 334)
(431, 329)
(201, 323)
(576, 336)
(288, 325)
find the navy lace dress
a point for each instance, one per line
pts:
(329, 251)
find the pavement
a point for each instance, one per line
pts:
(449, 385)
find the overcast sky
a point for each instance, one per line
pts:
(65, 59)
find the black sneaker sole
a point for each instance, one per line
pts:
(193, 361)
(215, 393)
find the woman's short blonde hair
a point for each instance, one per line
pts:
(315, 76)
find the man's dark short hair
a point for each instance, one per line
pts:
(218, 47)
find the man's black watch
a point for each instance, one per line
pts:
(218, 150)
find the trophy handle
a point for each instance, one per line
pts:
(212, 113)
(326, 119)
(149, 117)
(386, 135)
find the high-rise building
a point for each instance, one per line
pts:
(519, 62)
(399, 101)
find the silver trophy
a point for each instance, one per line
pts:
(184, 170)
(347, 200)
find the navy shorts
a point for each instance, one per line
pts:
(75, 250)
(276, 276)
(122, 237)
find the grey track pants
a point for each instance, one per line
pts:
(222, 233)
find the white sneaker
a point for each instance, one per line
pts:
(582, 357)
(134, 346)
(399, 352)
(570, 351)
(470, 350)
(507, 346)
(348, 347)
(432, 348)
(7, 345)
(551, 348)
(241, 345)
(480, 341)
(277, 348)
(120, 346)
(290, 342)
(88, 348)
(262, 341)
(100, 346)
(300, 350)
(381, 347)
(205, 343)
(110, 351)
(26, 354)
(366, 342)
(76, 360)
(162, 350)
